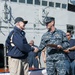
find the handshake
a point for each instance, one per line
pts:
(49, 45)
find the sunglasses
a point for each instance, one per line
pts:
(67, 35)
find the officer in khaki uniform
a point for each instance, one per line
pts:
(55, 42)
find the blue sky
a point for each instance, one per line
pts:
(73, 1)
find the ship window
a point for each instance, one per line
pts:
(37, 2)
(44, 3)
(72, 2)
(64, 6)
(58, 5)
(30, 1)
(22, 1)
(71, 7)
(51, 4)
(13, 0)
(1, 56)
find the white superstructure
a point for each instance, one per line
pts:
(33, 11)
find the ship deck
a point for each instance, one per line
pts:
(31, 72)
(4, 71)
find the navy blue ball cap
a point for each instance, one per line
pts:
(48, 20)
(18, 19)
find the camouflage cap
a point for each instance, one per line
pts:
(48, 20)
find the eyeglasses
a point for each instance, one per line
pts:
(67, 35)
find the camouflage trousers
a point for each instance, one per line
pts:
(56, 67)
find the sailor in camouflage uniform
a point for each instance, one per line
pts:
(55, 42)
